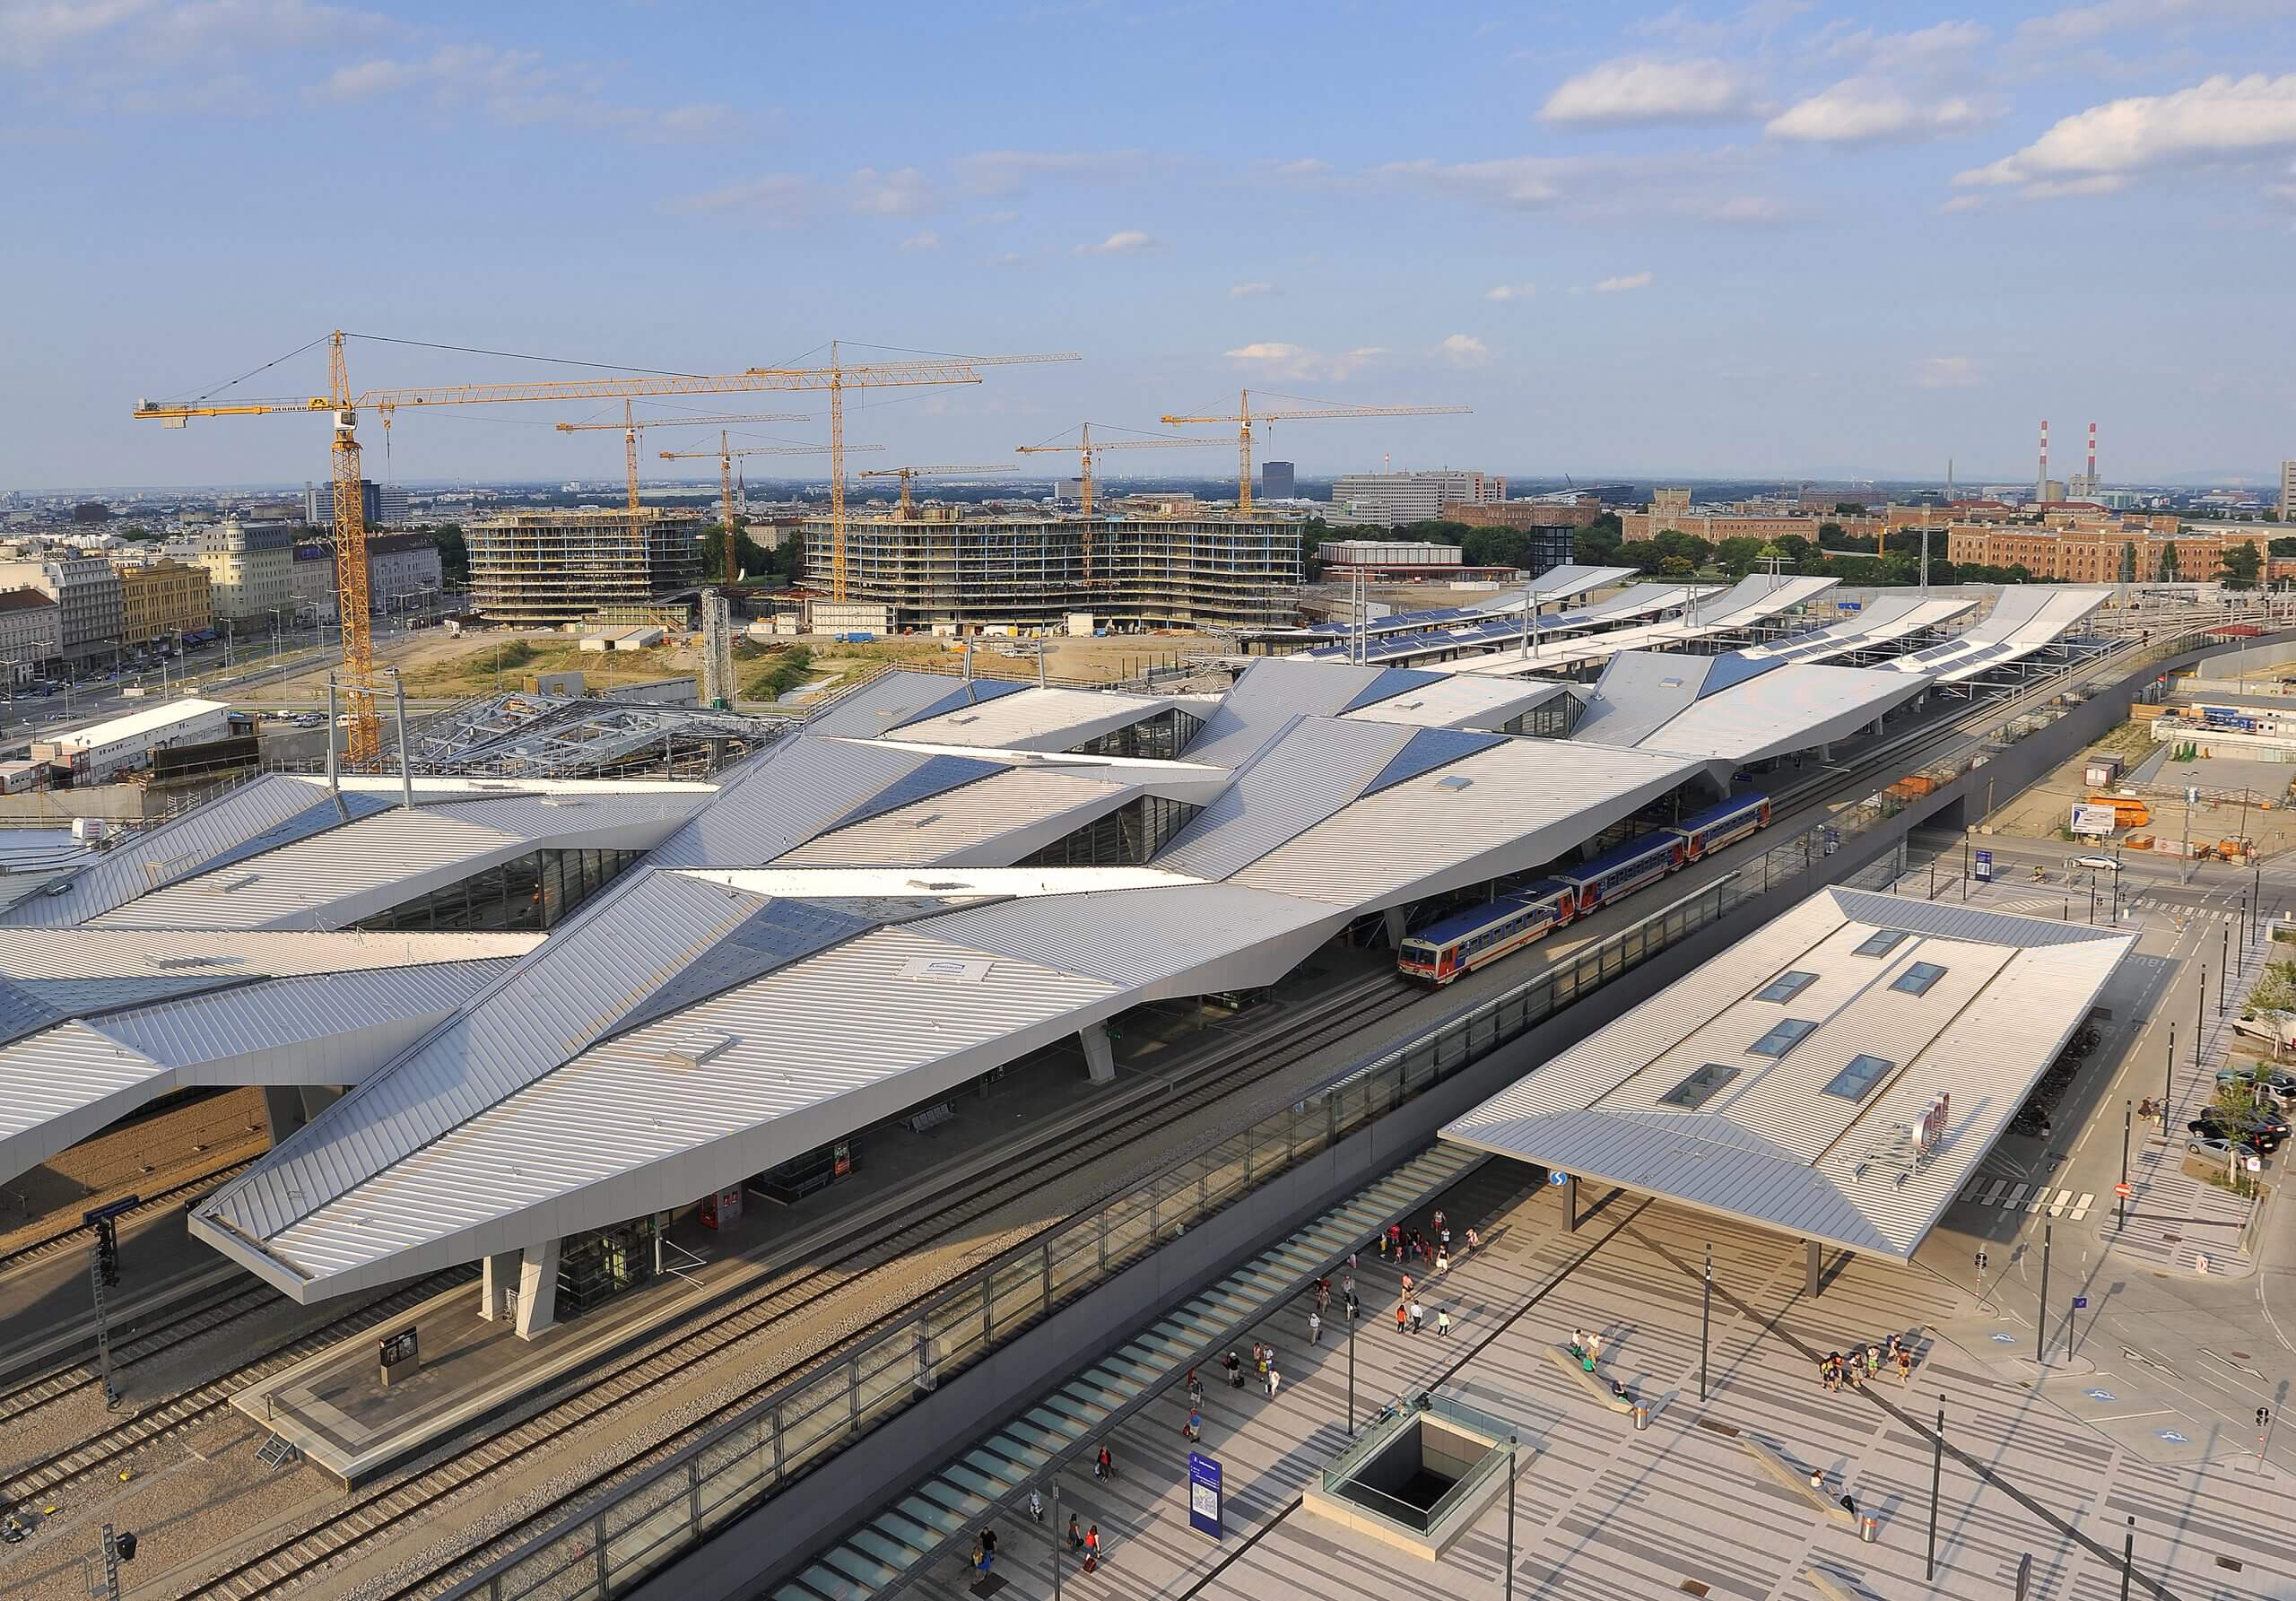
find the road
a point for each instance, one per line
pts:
(2173, 1361)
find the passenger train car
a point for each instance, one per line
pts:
(1464, 941)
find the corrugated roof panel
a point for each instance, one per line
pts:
(173, 851)
(1315, 768)
(1043, 720)
(954, 824)
(1425, 751)
(206, 957)
(22, 1010)
(52, 1085)
(827, 1045)
(931, 776)
(977, 691)
(1271, 692)
(1794, 706)
(1131, 937)
(1452, 701)
(261, 1016)
(781, 799)
(1526, 803)
(893, 697)
(1392, 680)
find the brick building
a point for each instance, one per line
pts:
(1715, 526)
(1522, 514)
(2094, 555)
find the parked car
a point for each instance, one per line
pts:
(2209, 1146)
(2264, 1138)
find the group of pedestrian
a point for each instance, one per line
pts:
(1864, 1364)
(1085, 1540)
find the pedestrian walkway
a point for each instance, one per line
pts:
(2011, 1195)
(1604, 1512)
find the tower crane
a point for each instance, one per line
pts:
(906, 474)
(726, 453)
(1244, 417)
(343, 405)
(1086, 454)
(631, 427)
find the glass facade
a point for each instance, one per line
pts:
(596, 1267)
(1157, 738)
(1125, 838)
(533, 893)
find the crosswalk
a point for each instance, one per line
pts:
(2185, 909)
(2011, 1197)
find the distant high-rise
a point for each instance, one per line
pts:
(2288, 491)
(1386, 499)
(384, 505)
(1276, 482)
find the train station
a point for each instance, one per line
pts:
(549, 1065)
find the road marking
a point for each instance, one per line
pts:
(2040, 1200)
(2015, 1195)
(2081, 1210)
(1994, 1194)
(2057, 1207)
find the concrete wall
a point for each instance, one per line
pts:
(773, 1541)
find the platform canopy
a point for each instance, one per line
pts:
(1837, 1074)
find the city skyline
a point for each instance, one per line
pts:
(1775, 241)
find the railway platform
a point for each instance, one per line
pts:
(337, 1410)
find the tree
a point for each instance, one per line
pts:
(2168, 559)
(1848, 508)
(1673, 542)
(1792, 547)
(2241, 562)
(2129, 562)
(2285, 546)
(1738, 555)
(453, 555)
(1675, 567)
(1829, 531)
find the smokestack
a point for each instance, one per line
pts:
(2041, 488)
(2092, 459)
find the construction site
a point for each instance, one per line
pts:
(550, 567)
(939, 568)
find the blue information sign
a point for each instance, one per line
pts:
(1203, 1514)
(1556, 1176)
(1984, 871)
(2080, 1301)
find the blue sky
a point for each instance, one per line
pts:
(1812, 239)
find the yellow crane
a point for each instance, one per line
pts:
(726, 453)
(906, 474)
(1244, 417)
(1087, 452)
(631, 427)
(343, 405)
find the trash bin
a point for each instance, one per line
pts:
(1641, 1417)
(1869, 1528)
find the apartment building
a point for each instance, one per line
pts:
(32, 633)
(163, 600)
(402, 568)
(250, 571)
(1386, 499)
(86, 592)
(2096, 556)
(1715, 526)
(385, 506)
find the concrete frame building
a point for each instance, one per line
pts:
(1384, 500)
(86, 592)
(385, 505)
(31, 633)
(1032, 571)
(550, 567)
(161, 600)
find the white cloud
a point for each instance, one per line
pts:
(1511, 292)
(1272, 358)
(1464, 350)
(1012, 171)
(777, 196)
(1940, 45)
(1858, 111)
(1637, 89)
(927, 240)
(517, 88)
(1946, 372)
(149, 34)
(1124, 241)
(1257, 290)
(1306, 167)
(1696, 184)
(901, 193)
(2223, 119)
(1619, 285)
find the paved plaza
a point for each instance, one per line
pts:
(1604, 1511)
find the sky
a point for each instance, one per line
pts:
(1786, 239)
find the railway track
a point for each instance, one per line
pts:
(371, 1518)
(100, 1452)
(189, 1325)
(62, 1240)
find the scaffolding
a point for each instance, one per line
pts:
(559, 736)
(1029, 572)
(552, 567)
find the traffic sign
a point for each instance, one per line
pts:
(1984, 866)
(2079, 1302)
(2121, 1190)
(1556, 1176)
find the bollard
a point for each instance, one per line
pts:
(1869, 1528)
(2201, 1262)
(1641, 1418)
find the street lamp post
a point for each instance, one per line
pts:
(1937, 1484)
(2128, 1123)
(2168, 1079)
(1705, 1320)
(2040, 1318)
(1511, 1440)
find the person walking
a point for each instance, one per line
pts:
(1274, 1380)
(1442, 1258)
(1314, 1328)
(1595, 1345)
(1075, 1534)
(1905, 1366)
(1418, 1317)
(1035, 1505)
(1194, 1428)
(1104, 1465)
(1443, 1323)
(1403, 1316)
(1577, 1342)
(1438, 1221)
(1092, 1549)
(1472, 1244)
(1383, 1244)
(1234, 1364)
(1406, 1284)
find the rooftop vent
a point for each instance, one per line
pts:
(1455, 783)
(691, 1053)
(240, 882)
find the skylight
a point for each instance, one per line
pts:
(1856, 1081)
(1786, 986)
(1782, 1039)
(1882, 941)
(1918, 979)
(1699, 1087)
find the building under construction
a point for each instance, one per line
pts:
(1034, 571)
(550, 567)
